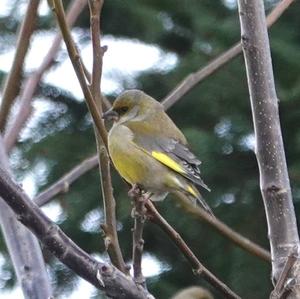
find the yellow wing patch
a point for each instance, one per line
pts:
(191, 190)
(165, 159)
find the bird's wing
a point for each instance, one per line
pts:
(174, 155)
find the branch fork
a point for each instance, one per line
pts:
(286, 281)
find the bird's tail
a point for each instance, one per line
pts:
(195, 196)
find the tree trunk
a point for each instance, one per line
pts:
(274, 179)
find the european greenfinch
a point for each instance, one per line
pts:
(149, 151)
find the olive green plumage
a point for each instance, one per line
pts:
(149, 150)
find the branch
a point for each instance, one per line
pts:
(103, 276)
(194, 79)
(12, 82)
(225, 230)
(93, 98)
(282, 285)
(62, 185)
(58, 10)
(95, 12)
(198, 268)
(138, 242)
(106, 103)
(31, 84)
(139, 215)
(274, 179)
(23, 248)
(110, 226)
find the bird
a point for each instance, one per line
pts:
(149, 151)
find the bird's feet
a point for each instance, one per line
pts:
(138, 194)
(135, 191)
(139, 198)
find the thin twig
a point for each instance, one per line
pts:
(110, 226)
(87, 73)
(138, 241)
(62, 185)
(95, 12)
(194, 79)
(281, 285)
(222, 228)
(198, 268)
(106, 103)
(276, 13)
(138, 213)
(103, 276)
(58, 10)
(31, 84)
(12, 82)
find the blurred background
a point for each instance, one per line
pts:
(152, 45)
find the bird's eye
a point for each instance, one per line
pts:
(123, 110)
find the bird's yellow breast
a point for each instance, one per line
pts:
(128, 160)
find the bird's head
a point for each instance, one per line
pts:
(132, 105)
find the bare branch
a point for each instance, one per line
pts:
(12, 82)
(31, 83)
(93, 98)
(281, 287)
(276, 13)
(62, 186)
(274, 179)
(138, 242)
(225, 230)
(95, 11)
(103, 276)
(194, 79)
(58, 10)
(106, 103)
(139, 215)
(110, 226)
(198, 268)
(23, 248)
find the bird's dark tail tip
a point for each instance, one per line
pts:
(200, 202)
(195, 196)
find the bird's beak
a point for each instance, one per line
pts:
(110, 115)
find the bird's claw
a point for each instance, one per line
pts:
(135, 191)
